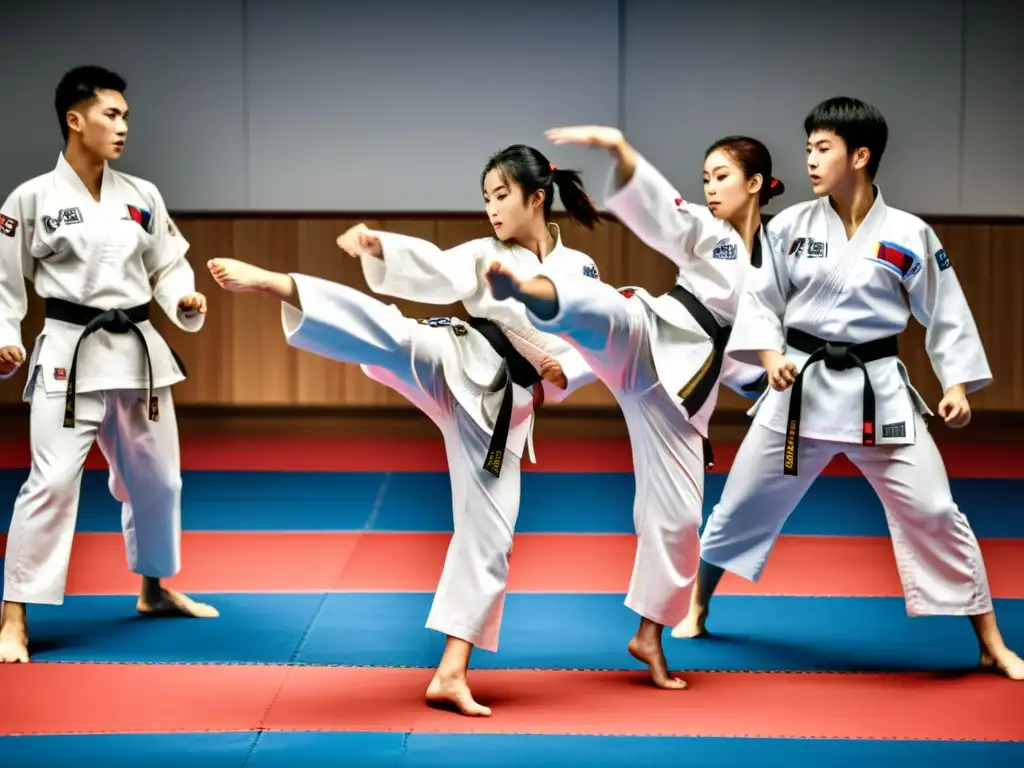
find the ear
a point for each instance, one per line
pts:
(76, 121)
(537, 199)
(754, 183)
(860, 158)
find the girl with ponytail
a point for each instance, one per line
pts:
(663, 357)
(480, 381)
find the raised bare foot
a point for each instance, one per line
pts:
(453, 692)
(692, 626)
(237, 276)
(649, 651)
(171, 603)
(1006, 662)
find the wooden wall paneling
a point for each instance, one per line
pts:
(240, 358)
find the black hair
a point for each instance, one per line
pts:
(80, 84)
(858, 124)
(528, 168)
(755, 159)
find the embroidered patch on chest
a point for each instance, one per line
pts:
(8, 226)
(724, 250)
(140, 216)
(589, 270)
(809, 247)
(896, 257)
(64, 216)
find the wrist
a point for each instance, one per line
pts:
(957, 389)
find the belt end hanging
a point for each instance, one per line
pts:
(493, 462)
(154, 408)
(791, 450)
(69, 410)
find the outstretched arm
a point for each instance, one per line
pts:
(412, 268)
(643, 199)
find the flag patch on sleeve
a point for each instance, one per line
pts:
(590, 270)
(895, 257)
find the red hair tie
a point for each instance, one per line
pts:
(774, 184)
(553, 168)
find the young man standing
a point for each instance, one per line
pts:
(823, 316)
(99, 246)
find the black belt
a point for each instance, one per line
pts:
(92, 320)
(699, 388)
(516, 370)
(838, 356)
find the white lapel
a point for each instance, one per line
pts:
(843, 253)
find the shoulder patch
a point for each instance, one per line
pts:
(8, 225)
(942, 260)
(898, 258)
(680, 201)
(724, 250)
(590, 270)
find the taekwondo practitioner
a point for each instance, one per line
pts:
(99, 246)
(662, 357)
(478, 381)
(823, 316)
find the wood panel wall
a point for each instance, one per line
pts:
(241, 359)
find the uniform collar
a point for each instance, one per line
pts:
(68, 174)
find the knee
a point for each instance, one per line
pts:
(490, 547)
(52, 485)
(167, 484)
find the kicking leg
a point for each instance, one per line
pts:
(43, 525)
(937, 554)
(756, 502)
(470, 597)
(145, 476)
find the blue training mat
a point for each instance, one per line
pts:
(551, 503)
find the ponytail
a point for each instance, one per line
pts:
(769, 189)
(528, 168)
(577, 202)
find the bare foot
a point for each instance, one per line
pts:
(650, 652)
(1006, 663)
(448, 692)
(237, 276)
(13, 635)
(692, 626)
(171, 603)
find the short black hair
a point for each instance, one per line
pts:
(80, 84)
(857, 123)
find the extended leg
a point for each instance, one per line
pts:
(756, 502)
(937, 554)
(43, 524)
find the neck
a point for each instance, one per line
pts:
(87, 165)
(747, 223)
(853, 203)
(537, 241)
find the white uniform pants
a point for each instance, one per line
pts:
(613, 334)
(937, 555)
(343, 324)
(145, 476)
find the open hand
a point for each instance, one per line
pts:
(587, 135)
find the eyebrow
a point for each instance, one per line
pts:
(497, 189)
(819, 142)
